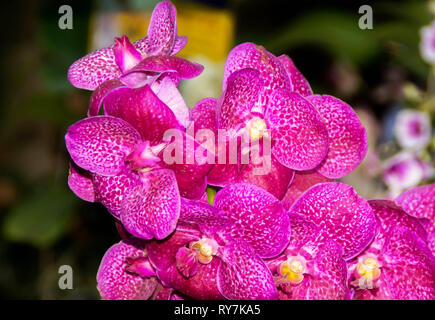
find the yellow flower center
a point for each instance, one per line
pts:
(293, 270)
(256, 127)
(369, 269)
(206, 249)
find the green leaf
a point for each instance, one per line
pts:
(41, 219)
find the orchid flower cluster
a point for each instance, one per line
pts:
(280, 226)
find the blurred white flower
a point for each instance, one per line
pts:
(412, 129)
(427, 43)
(403, 171)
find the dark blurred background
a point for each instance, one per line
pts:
(43, 225)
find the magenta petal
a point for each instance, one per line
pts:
(330, 279)
(409, 266)
(302, 180)
(272, 72)
(140, 266)
(299, 135)
(162, 253)
(142, 109)
(274, 179)
(179, 44)
(162, 30)
(94, 69)
(115, 283)
(242, 275)
(340, 213)
(347, 136)
(302, 231)
(151, 207)
(203, 285)
(186, 262)
(389, 215)
(100, 144)
(185, 69)
(189, 170)
(238, 99)
(166, 90)
(80, 182)
(258, 218)
(203, 115)
(100, 93)
(419, 202)
(298, 81)
(109, 190)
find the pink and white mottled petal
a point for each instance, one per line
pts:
(330, 279)
(110, 190)
(80, 182)
(94, 69)
(142, 109)
(185, 69)
(347, 136)
(115, 283)
(238, 98)
(302, 231)
(389, 216)
(203, 285)
(409, 266)
(179, 43)
(100, 144)
(419, 201)
(302, 181)
(150, 208)
(228, 162)
(300, 138)
(162, 30)
(341, 215)
(242, 275)
(297, 79)
(100, 93)
(257, 216)
(272, 72)
(167, 92)
(203, 115)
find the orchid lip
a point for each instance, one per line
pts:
(367, 272)
(126, 55)
(145, 157)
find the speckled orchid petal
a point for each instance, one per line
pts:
(203, 115)
(109, 190)
(100, 93)
(242, 275)
(100, 144)
(258, 218)
(274, 178)
(302, 231)
(341, 215)
(183, 68)
(203, 285)
(94, 69)
(388, 216)
(409, 266)
(298, 81)
(299, 135)
(166, 90)
(208, 219)
(162, 253)
(142, 109)
(162, 30)
(179, 44)
(347, 136)
(272, 72)
(151, 207)
(80, 182)
(330, 281)
(302, 181)
(238, 99)
(115, 283)
(189, 170)
(228, 162)
(419, 202)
